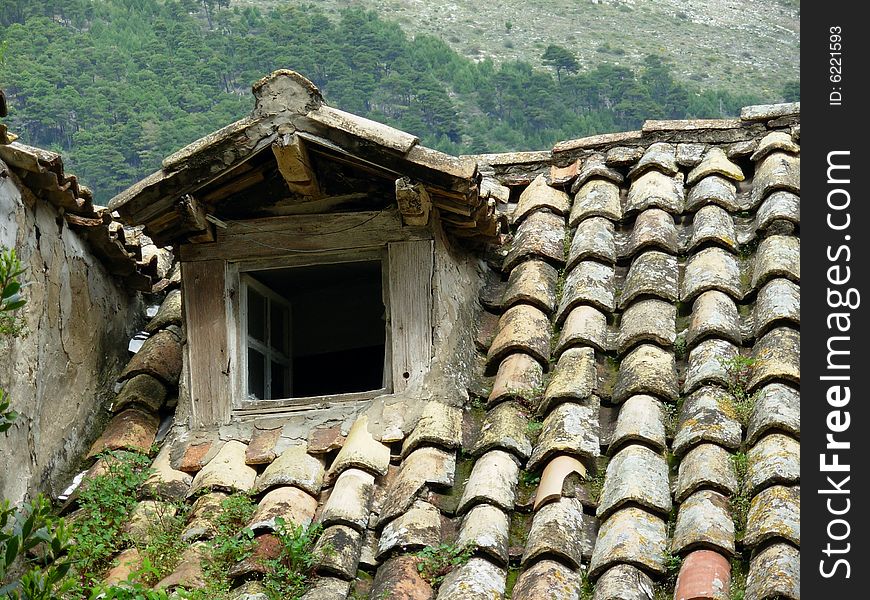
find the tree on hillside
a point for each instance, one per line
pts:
(560, 59)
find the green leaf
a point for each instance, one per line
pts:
(10, 290)
(13, 306)
(11, 550)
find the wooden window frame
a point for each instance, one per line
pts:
(210, 280)
(237, 270)
(265, 347)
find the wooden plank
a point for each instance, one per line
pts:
(411, 266)
(205, 313)
(295, 166)
(279, 236)
(304, 403)
(414, 202)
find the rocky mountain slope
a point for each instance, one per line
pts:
(749, 46)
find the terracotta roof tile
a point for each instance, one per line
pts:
(418, 527)
(132, 429)
(774, 459)
(778, 206)
(522, 328)
(168, 314)
(774, 513)
(338, 550)
(712, 224)
(714, 314)
(777, 407)
(293, 467)
(487, 528)
(143, 391)
(713, 190)
(706, 465)
(630, 536)
(261, 449)
(706, 416)
(589, 282)
(440, 425)
(327, 588)
(596, 198)
(650, 320)
(652, 273)
(556, 531)
(583, 325)
(505, 427)
(519, 376)
(660, 157)
(493, 480)
(712, 269)
(423, 466)
(653, 228)
(292, 504)
(776, 171)
(704, 575)
(569, 428)
(777, 256)
(647, 369)
(227, 471)
(593, 239)
(398, 577)
(361, 450)
(159, 356)
(478, 579)
(656, 189)
(715, 162)
(624, 582)
(541, 235)
(574, 378)
(532, 282)
(704, 521)
(777, 357)
(775, 141)
(540, 196)
(548, 579)
(774, 572)
(638, 476)
(708, 363)
(641, 419)
(164, 481)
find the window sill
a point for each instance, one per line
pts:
(251, 409)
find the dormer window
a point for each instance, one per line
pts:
(314, 331)
(298, 319)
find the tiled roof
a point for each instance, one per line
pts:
(639, 364)
(289, 107)
(124, 251)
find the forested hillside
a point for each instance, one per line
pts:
(117, 84)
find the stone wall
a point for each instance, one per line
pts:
(60, 372)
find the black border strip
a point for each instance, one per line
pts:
(836, 232)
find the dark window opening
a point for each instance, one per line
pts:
(315, 331)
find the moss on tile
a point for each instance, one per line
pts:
(518, 531)
(513, 574)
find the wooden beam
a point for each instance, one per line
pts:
(411, 266)
(414, 202)
(279, 236)
(233, 186)
(295, 166)
(205, 314)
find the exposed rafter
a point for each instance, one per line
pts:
(295, 166)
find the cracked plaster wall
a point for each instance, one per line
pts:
(59, 373)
